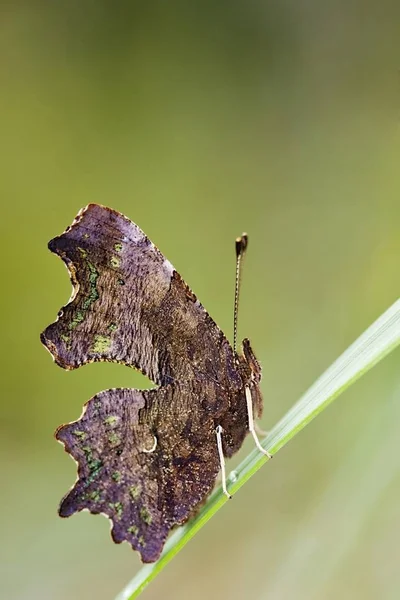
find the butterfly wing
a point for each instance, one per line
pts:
(130, 306)
(146, 459)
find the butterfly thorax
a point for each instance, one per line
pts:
(235, 420)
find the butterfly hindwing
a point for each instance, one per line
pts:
(146, 459)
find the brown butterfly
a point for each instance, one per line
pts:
(147, 459)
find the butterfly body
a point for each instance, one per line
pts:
(146, 458)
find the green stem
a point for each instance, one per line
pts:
(370, 348)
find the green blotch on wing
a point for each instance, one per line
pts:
(67, 340)
(112, 327)
(79, 316)
(102, 343)
(83, 252)
(115, 262)
(95, 496)
(93, 272)
(94, 464)
(133, 529)
(111, 420)
(90, 299)
(114, 439)
(117, 476)
(96, 407)
(135, 491)
(118, 247)
(142, 542)
(145, 515)
(93, 293)
(117, 506)
(94, 474)
(80, 434)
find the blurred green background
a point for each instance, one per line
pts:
(200, 120)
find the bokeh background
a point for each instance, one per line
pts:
(200, 120)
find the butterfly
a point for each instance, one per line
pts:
(147, 459)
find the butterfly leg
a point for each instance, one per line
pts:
(218, 431)
(249, 402)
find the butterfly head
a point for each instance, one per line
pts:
(252, 362)
(252, 377)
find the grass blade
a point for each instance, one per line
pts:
(370, 348)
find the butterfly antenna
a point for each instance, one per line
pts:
(240, 245)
